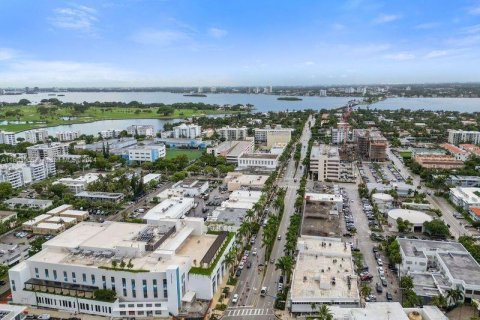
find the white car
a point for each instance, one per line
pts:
(254, 252)
(241, 265)
(44, 316)
(280, 286)
(235, 298)
(379, 262)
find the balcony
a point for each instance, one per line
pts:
(60, 288)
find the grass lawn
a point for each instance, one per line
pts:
(36, 120)
(192, 154)
(406, 154)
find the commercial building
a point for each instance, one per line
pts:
(101, 196)
(371, 145)
(47, 150)
(229, 133)
(141, 130)
(416, 219)
(21, 174)
(48, 224)
(36, 135)
(67, 135)
(266, 161)
(471, 148)
(29, 203)
(463, 181)
(76, 185)
(438, 162)
(232, 150)
(149, 153)
(437, 266)
(172, 208)
(456, 152)
(186, 131)
(12, 254)
(475, 213)
(401, 188)
(459, 136)
(321, 215)
(465, 197)
(191, 187)
(384, 201)
(327, 165)
(242, 199)
(272, 136)
(324, 274)
(110, 133)
(7, 216)
(239, 180)
(226, 219)
(174, 269)
(7, 138)
(67, 211)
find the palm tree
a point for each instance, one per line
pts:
(365, 291)
(250, 214)
(229, 260)
(285, 264)
(454, 295)
(439, 301)
(324, 313)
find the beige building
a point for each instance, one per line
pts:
(326, 164)
(436, 161)
(272, 136)
(238, 180)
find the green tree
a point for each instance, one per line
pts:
(436, 228)
(365, 290)
(454, 296)
(285, 264)
(324, 313)
(6, 190)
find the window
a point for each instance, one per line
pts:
(112, 280)
(74, 277)
(165, 293)
(144, 287)
(122, 306)
(124, 287)
(65, 276)
(46, 274)
(158, 304)
(84, 277)
(36, 273)
(54, 274)
(134, 292)
(155, 291)
(93, 279)
(13, 285)
(164, 283)
(104, 282)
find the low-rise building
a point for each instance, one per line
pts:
(141, 130)
(7, 137)
(67, 211)
(191, 187)
(172, 208)
(438, 162)
(186, 131)
(416, 219)
(239, 180)
(327, 165)
(151, 177)
(110, 133)
(228, 133)
(67, 135)
(384, 201)
(465, 197)
(226, 219)
(149, 153)
(101, 196)
(11, 254)
(36, 135)
(266, 161)
(437, 266)
(321, 215)
(324, 274)
(29, 203)
(7, 216)
(76, 185)
(463, 181)
(475, 213)
(401, 188)
(232, 150)
(242, 199)
(471, 148)
(47, 150)
(455, 151)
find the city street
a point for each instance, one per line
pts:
(251, 305)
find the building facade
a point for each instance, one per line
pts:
(141, 130)
(459, 136)
(258, 160)
(227, 133)
(272, 136)
(7, 138)
(47, 150)
(21, 174)
(147, 153)
(187, 131)
(326, 165)
(36, 135)
(67, 135)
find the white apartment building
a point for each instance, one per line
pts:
(159, 282)
(326, 165)
(76, 185)
(437, 266)
(47, 150)
(229, 133)
(7, 138)
(141, 130)
(186, 131)
(36, 135)
(21, 174)
(324, 274)
(232, 150)
(172, 208)
(459, 136)
(39, 204)
(465, 197)
(322, 93)
(147, 153)
(272, 136)
(110, 133)
(258, 160)
(67, 135)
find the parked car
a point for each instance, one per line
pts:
(235, 298)
(389, 296)
(384, 282)
(378, 287)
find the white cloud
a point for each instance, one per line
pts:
(309, 63)
(162, 38)
(217, 32)
(471, 29)
(7, 54)
(427, 25)
(386, 18)
(339, 27)
(401, 56)
(475, 10)
(80, 18)
(436, 54)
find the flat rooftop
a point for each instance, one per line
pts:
(5, 214)
(328, 151)
(415, 247)
(172, 208)
(462, 266)
(320, 261)
(321, 217)
(259, 156)
(228, 216)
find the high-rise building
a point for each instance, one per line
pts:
(186, 131)
(326, 164)
(7, 138)
(229, 133)
(459, 136)
(371, 145)
(67, 135)
(47, 150)
(323, 93)
(21, 174)
(36, 135)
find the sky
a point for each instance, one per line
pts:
(237, 42)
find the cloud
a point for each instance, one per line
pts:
(7, 54)
(436, 54)
(217, 32)
(471, 29)
(163, 37)
(401, 56)
(474, 10)
(386, 18)
(339, 27)
(309, 63)
(427, 25)
(76, 17)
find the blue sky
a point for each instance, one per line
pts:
(237, 42)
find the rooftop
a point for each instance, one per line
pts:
(415, 248)
(27, 201)
(259, 156)
(467, 194)
(452, 149)
(228, 216)
(462, 266)
(320, 215)
(91, 194)
(324, 270)
(413, 216)
(325, 150)
(172, 208)
(5, 214)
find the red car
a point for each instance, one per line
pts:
(366, 277)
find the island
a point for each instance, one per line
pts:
(290, 98)
(201, 95)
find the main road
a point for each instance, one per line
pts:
(251, 305)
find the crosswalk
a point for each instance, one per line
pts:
(248, 312)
